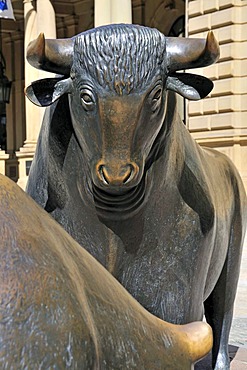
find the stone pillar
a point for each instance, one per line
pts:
(37, 19)
(3, 159)
(121, 11)
(102, 12)
(220, 121)
(112, 11)
(16, 125)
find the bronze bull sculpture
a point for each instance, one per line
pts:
(60, 309)
(117, 168)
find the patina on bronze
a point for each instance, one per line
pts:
(117, 168)
(60, 309)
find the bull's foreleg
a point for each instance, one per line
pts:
(220, 322)
(219, 305)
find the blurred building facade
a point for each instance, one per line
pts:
(219, 121)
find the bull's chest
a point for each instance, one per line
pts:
(158, 255)
(160, 259)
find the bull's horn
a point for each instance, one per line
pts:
(51, 55)
(186, 53)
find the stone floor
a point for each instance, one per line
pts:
(238, 335)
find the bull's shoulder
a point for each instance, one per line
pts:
(224, 169)
(208, 178)
(211, 185)
(215, 155)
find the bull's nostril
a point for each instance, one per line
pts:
(131, 173)
(128, 175)
(102, 174)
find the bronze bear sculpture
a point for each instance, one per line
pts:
(60, 309)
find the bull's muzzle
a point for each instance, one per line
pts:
(117, 175)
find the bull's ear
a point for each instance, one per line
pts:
(44, 92)
(190, 86)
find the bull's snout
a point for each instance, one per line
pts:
(117, 175)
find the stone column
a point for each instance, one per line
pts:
(121, 11)
(16, 125)
(3, 155)
(3, 158)
(37, 19)
(102, 12)
(220, 121)
(112, 11)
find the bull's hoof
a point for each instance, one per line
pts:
(222, 362)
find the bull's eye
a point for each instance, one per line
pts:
(155, 98)
(87, 99)
(157, 95)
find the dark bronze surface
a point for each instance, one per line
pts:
(60, 309)
(117, 168)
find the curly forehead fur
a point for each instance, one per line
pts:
(120, 57)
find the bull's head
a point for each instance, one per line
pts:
(117, 77)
